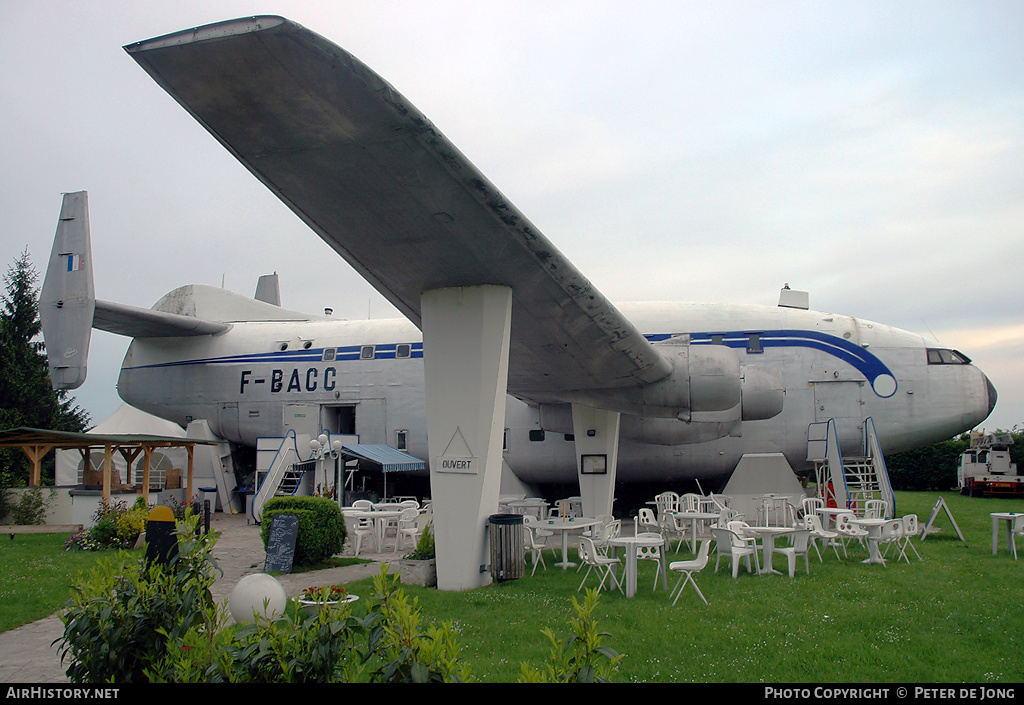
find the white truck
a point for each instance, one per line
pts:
(985, 467)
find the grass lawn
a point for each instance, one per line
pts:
(952, 617)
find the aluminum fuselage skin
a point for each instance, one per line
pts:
(256, 379)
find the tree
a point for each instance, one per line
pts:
(27, 398)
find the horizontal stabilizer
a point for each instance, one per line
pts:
(147, 323)
(68, 296)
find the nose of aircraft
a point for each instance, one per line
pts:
(992, 396)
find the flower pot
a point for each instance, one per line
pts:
(423, 572)
(312, 606)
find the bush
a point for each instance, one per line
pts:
(31, 508)
(321, 527)
(121, 617)
(116, 526)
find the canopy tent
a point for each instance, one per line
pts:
(72, 464)
(389, 459)
(36, 443)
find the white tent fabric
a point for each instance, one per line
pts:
(126, 420)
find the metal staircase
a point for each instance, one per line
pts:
(283, 477)
(849, 482)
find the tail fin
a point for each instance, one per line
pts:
(68, 298)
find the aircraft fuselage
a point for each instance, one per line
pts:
(366, 377)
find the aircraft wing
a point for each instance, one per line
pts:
(384, 188)
(148, 323)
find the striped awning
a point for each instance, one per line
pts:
(390, 459)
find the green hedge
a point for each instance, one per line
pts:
(321, 526)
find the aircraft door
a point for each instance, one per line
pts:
(304, 419)
(841, 400)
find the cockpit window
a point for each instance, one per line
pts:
(941, 356)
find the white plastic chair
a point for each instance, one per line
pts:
(818, 531)
(801, 539)
(670, 529)
(891, 534)
(688, 568)
(650, 553)
(408, 528)
(847, 530)
(363, 505)
(645, 521)
(876, 509)
(811, 505)
(363, 528)
(731, 545)
(536, 549)
(911, 530)
(531, 523)
(595, 561)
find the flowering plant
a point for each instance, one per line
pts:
(324, 593)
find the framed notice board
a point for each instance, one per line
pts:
(284, 530)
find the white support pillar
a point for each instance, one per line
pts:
(597, 454)
(465, 362)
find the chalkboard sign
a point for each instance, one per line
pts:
(284, 529)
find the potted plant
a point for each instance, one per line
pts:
(323, 597)
(419, 567)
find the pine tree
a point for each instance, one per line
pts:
(27, 397)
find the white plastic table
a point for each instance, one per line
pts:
(874, 527)
(768, 534)
(1010, 518)
(693, 518)
(631, 544)
(565, 525)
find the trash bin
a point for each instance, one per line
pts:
(508, 558)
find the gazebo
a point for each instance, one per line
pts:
(36, 443)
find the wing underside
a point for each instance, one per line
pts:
(387, 191)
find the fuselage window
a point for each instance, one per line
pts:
(330, 354)
(717, 339)
(366, 352)
(942, 356)
(404, 350)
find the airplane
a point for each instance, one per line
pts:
(697, 386)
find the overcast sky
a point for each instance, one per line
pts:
(871, 153)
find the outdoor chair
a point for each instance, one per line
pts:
(688, 568)
(650, 553)
(811, 505)
(408, 528)
(819, 532)
(689, 502)
(363, 505)
(667, 502)
(531, 523)
(876, 509)
(645, 521)
(364, 528)
(891, 535)
(535, 549)
(911, 530)
(735, 548)
(670, 529)
(801, 539)
(602, 564)
(847, 530)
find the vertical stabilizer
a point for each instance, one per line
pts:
(68, 298)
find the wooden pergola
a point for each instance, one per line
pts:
(36, 443)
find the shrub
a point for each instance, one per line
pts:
(321, 531)
(31, 508)
(424, 547)
(122, 615)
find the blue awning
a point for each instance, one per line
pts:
(390, 459)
